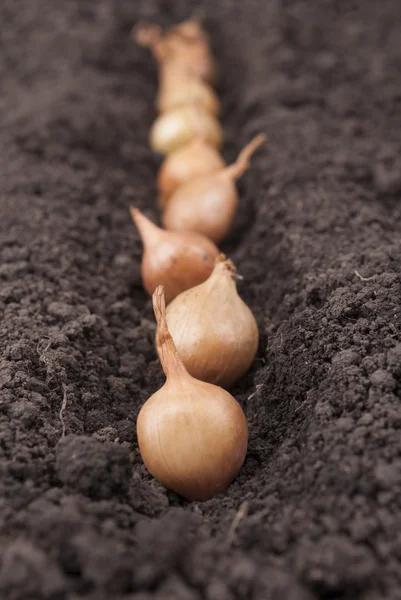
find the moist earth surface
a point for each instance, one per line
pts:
(315, 511)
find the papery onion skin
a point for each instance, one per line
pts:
(192, 435)
(176, 260)
(188, 162)
(195, 457)
(206, 204)
(185, 44)
(188, 43)
(214, 331)
(177, 87)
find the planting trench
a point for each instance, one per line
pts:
(315, 511)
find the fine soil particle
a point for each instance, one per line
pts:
(315, 512)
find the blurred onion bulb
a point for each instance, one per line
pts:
(208, 203)
(185, 44)
(178, 87)
(188, 162)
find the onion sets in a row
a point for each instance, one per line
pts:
(192, 434)
(196, 189)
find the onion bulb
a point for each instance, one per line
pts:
(214, 330)
(177, 127)
(207, 204)
(178, 260)
(178, 87)
(190, 161)
(186, 44)
(149, 35)
(192, 435)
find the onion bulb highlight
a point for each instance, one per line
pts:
(192, 435)
(214, 331)
(177, 260)
(188, 162)
(207, 204)
(177, 127)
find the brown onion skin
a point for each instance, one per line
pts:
(197, 63)
(192, 435)
(186, 45)
(176, 260)
(215, 446)
(178, 87)
(188, 162)
(206, 204)
(214, 331)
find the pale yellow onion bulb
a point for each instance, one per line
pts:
(179, 126)
(208, 203)
(178, 87)
(188, 162)
(178, 260)
(213, 329)
(192, 435)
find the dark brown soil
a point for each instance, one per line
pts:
(318, 242)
